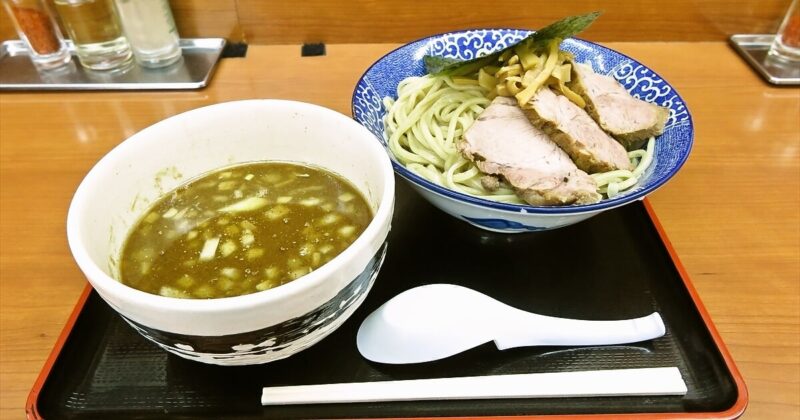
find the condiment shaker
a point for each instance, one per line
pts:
(150, 28)
(96, 32)
(786, 46)
(37, 27)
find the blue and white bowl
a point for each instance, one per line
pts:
(382, 78)
(249, 329)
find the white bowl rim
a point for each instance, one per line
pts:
(605, 204)
(219, 305)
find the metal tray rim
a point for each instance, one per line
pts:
(215, 47)
(745, 44)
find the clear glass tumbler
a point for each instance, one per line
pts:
(150, 28)
(786, 46)
(36, 26)
(96, 32)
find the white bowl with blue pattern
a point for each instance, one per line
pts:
(672, 147)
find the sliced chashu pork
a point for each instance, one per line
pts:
(503, 142)
(629, 120)
(569, 126)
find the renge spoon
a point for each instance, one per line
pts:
(436, 321)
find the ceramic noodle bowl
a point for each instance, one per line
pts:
(671, 148)
(248, 329)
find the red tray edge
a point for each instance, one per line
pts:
(31, 405)
(735, 411)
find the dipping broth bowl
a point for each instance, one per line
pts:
(671, 148)
(248, 329)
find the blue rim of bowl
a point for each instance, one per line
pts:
(520, 208)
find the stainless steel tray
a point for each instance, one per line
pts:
(200, 56)
(754, 49)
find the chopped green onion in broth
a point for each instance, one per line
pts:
(242, 229)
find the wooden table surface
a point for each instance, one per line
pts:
(732, 213)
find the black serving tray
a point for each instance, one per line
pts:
(615, 265)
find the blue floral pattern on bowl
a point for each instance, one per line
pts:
(501, 224)
(672, 147)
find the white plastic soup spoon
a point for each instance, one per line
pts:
(436, 321)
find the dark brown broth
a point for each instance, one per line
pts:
(241, 230)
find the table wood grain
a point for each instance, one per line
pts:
(732, 213)
(354, 21)
(405, 20)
